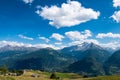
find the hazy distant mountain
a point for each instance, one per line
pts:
(112, 65)
(81, 47)
(9, 51)
(80, 51)
(16, 48)
(76, 51)
(43, 59)
(91, 63)
(86, 66)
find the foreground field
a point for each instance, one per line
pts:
(105, 78)
(29, 75)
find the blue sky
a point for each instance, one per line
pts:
(59, 23)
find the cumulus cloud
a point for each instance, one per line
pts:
(69, 14)
(116, 16)
(116, 3)
(45, 46)
(25, 37)
(113, 45)
(28, 1)
(76, 35)
(13, 43)
(20, 44)
(108, 35)
(57, 36)
(43, 38)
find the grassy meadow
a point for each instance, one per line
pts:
(63, 76)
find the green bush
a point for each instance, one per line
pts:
(53, 76)
(3, 69)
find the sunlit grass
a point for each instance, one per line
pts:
(63, 76)
(106, 78)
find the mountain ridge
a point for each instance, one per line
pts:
(77, 58)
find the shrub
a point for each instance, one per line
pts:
(53, 76)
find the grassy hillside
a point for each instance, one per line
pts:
(63, 76)
(28, 75)
(105, 78)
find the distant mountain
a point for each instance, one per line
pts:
(91, 62)
(85, 58)
(8, 52)
(112, 65)
(16, 48)
(81, 47)
(80, 51)
(76, 51)
(43, 59)
(86, 66)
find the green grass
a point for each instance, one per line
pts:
(63, 76)
(106, 78)
(46, 73)
(68, 75)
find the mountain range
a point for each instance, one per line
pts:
(85, 59)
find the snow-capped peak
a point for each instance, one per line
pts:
(84, 46)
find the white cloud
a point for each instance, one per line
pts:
(43, 38)
(25, 37)
(69, 14)
(108, 35)
(20, 44)
(116, 16)
(37, 12)
(13, 43)
(76, 35)
(91, 41)
(116, 3)
(58, 43)
(113, 45)
(57, 36)
(45, 46)
(28, 1)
